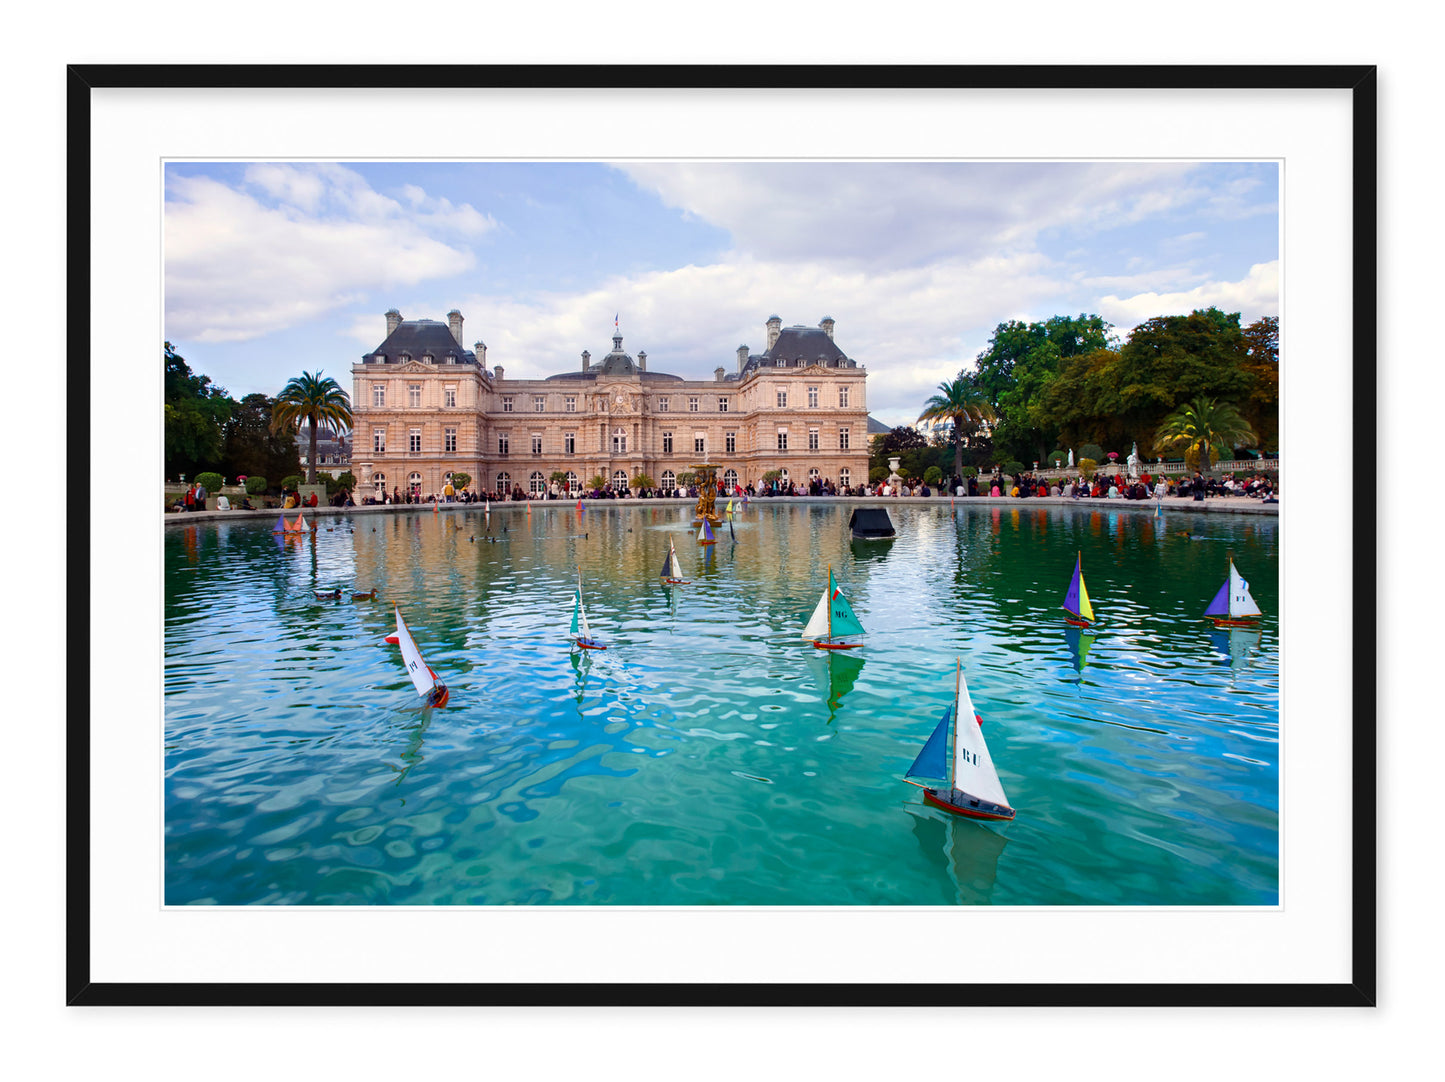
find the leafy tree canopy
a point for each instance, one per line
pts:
(253, 447)
(195, 412)
(1016, 369)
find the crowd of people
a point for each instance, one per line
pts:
(1101, 485)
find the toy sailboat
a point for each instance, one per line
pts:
(1233, 606)
(833, 619)
(973, 786)
(433, 691)
(671, 569)
(705, 534)
(581, 633)
(1076, 601)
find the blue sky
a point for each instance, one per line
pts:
(276, 268)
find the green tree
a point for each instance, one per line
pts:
(252, 447)
(964, 406)
(1261, 364)
(459, 480)
(1016, 370)
(311, 399)
(195, 413)
(1204, 426)
(898, 441)
(1170, 360)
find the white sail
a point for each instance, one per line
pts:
(973, 770)
(817, 626)
(416, 668)
(1240, 601)
(674, 569)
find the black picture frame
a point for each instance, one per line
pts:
(1360, 81)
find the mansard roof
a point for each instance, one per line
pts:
(797, 347)
(414, 339)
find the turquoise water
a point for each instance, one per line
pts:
(710, 756)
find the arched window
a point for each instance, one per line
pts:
(619, 481)
(415, 482)
(669, 479)
(537, 485)
(574, 486)
(379, 480)
(844, 477)
(730, 479)
(813, 474)
(783, 476)
(504, 483)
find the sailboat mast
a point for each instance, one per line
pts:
(829, 590)
(953, 759)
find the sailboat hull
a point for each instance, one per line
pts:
(676, 582)
(438, 696)
(1076, 621)
(837, 645)
(969, 807)
(1235, 621)
(587, 644)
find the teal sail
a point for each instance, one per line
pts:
(841, 618)
(932, 761)
(576, 608)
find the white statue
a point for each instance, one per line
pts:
(1071, 458)
(1134, 461)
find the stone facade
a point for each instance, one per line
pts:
(426, 407)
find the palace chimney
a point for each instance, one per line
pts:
(454, 321)
(393, 321)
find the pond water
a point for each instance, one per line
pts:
(711, 756)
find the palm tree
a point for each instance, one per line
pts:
(962, 405)
(311, 399)
(1204, 425)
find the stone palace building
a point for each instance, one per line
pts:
(425, 407)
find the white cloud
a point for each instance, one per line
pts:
(1256, 295)
(294, 243)
(905, 214)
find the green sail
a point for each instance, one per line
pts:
(842, 622)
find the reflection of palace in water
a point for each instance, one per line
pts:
(426, 407)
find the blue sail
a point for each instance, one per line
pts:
(932, 761)
(1071, 599)
(1220, 605)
